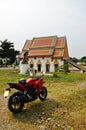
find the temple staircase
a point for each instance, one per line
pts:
(75, 65)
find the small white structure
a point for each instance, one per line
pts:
(46, 53)
(23, 68)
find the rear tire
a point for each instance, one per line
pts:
(43, 94)
(14, 103)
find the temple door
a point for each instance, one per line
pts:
(31, 65)
(56, 65)
(39, 65)
(47, 66)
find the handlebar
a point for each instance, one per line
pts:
(37, 75)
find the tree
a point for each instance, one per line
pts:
(83, 59)
(1, 62)
(7, 51)
(74, 59)
(65, 67)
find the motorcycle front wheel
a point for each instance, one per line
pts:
(14, 103)
(43, 94)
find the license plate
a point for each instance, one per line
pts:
(6, 93)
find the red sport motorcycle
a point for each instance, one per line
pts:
(28, 91)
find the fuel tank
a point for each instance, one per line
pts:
(30, 81)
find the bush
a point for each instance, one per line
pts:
(1, 62)
(61, 68)
(55, 75)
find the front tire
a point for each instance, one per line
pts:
(43, 94)
(14, 104)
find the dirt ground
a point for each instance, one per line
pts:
(6, 117)
(3, 111)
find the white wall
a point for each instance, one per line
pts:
(43, 63)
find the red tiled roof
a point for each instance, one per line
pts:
(40, 52)
(27, 45)
(58, 53)
(46, 46)
(60, 43)
(43, 42)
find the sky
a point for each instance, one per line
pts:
(24, 19)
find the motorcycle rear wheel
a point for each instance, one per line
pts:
(14, 103)
(43, 94)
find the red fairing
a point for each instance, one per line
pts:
(30, 81)
(39, 84)
(22, 87)
(13, 85)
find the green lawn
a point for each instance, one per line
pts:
(64, 108)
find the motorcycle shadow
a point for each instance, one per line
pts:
(37, 111)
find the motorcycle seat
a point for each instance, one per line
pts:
(37, 78)
(22, 81)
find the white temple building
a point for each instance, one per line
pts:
(45, 53)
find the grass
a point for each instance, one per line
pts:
(64, 108)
